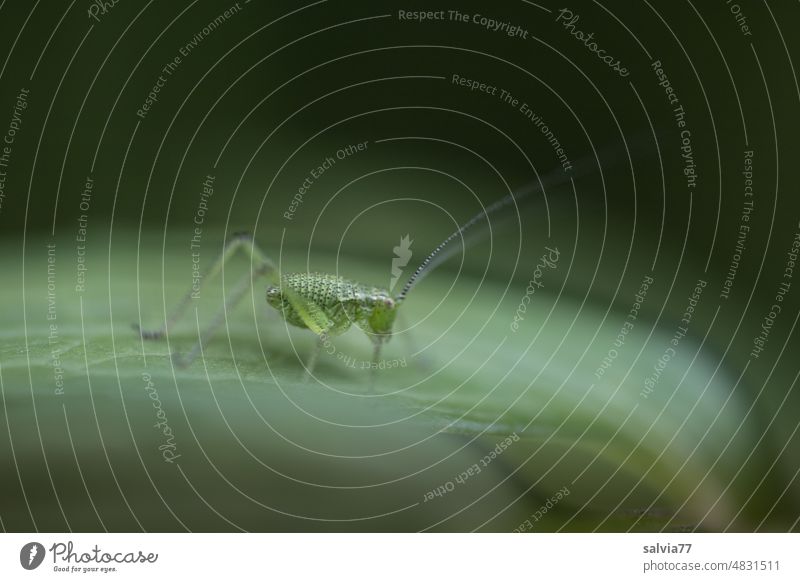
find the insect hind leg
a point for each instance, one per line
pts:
(261, 265)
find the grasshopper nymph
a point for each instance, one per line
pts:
(326, 304)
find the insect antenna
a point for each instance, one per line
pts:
(611, 155)
(428, 264)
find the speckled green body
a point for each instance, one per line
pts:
(325, 304)
(340, 302)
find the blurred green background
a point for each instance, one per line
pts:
(261, 96)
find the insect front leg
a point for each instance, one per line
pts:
(377, 346)
(261, 265)
(311, 363)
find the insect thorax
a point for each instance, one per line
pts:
(343, 302)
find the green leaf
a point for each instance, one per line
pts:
(103, 431)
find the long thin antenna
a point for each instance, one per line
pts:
(485, 213)
(586, 165)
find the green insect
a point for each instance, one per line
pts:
(326, 304)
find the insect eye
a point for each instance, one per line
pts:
(388, 303)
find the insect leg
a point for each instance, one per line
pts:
(312, 359)
(376, 358)
(262, 265)
(315, 319)
(239, 291)
(408, 336)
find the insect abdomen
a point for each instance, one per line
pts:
(323, 290)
